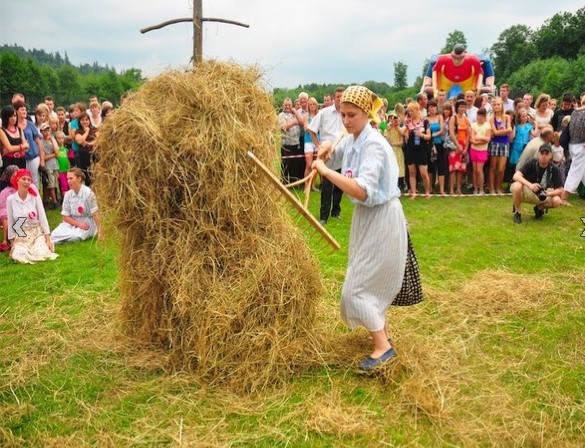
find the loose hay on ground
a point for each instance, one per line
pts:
(211, 267)
(448, 372)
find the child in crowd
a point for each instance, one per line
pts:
(50, 149)
(523, 132)
(63, 162)
(459, 130)
(501, 125)
(53, 124)
(558, 154)
(481, 135)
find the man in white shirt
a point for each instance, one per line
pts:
(507, 102)
(328, 125)
(51, 105)
(470, 109)
(303, 109)
(290, 121)
(423, 100)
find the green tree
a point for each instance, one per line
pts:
(550, 76)
(13, 76)
(37, 87)
(576, 76)
(562, 35)
(400, 80)
(90, 85)
(512, 51)
(380, 88)
(51, 80)
(69, 85)
(110, 86)
(454, 37)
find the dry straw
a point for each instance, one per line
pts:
(211, 267)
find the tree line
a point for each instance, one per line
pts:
(37, 74)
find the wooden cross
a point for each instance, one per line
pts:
(197, 20)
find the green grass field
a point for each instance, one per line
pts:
(493, 357)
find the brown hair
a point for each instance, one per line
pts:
(77, 173)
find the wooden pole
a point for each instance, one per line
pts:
(197, 32)
(197, 20)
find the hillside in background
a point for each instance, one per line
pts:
(36, 74)
(54, 60)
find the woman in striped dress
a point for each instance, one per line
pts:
(378, 236)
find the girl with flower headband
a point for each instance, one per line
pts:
(28, 228)
(378, 236)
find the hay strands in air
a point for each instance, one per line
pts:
(302, 210)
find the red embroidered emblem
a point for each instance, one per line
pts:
(80, 210)
(32, 215)
(349, 173)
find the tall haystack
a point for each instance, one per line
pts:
(211, 266)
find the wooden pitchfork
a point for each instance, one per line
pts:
(309, 179)
(301, 208)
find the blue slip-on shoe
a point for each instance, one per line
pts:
(369, 363)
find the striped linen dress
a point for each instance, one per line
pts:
(378, 235)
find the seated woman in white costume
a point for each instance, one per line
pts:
(80, 212)
(28, 228)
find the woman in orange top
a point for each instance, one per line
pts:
(459, 130)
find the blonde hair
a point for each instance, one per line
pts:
(413, 106)
(399, 110)
(541, 98)
(313, 100)
(42, 108)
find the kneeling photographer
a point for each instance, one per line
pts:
(538, 182)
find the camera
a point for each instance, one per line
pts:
(541, 194)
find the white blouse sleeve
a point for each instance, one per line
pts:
(92, 201)
(66, 206)
(371, 171)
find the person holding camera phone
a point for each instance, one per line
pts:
(538, 182)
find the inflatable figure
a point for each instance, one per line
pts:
(458, 72)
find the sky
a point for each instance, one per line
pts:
(293, 42)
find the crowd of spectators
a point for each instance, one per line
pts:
(472, 144)
(47, 155)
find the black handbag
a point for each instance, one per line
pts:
(411, 291)
(44, 173)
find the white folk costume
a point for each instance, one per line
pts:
(31, 245)
(81, 207)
